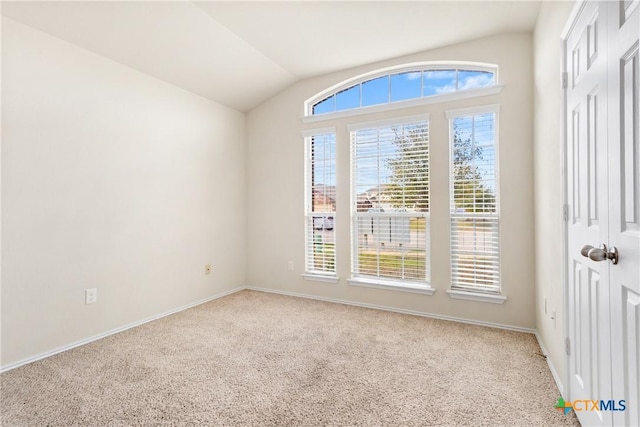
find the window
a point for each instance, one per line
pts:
(391, 181)
(320, 204)
(406, 83)
(390, 201)
(474, 209)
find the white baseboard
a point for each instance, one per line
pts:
(396, 310)
(552, 368)
(40, 356)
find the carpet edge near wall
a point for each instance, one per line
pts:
(395, 310)
(551, 365)
(49, 353)
(84, 341)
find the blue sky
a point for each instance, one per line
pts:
(403, 86)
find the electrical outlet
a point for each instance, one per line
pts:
(545, 305)
(207, 269)
(290, 266)
(90, 296)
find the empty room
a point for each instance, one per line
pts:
(308, 213)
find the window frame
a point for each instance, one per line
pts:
(391, 113)
(462, 292)
(406, 285)
(399, 69)
(312, 274)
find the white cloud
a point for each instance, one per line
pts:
(478, 80)
(440, 74)
(446, 89)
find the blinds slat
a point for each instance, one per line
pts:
(391, 195)
(320, 204)
(475, 243)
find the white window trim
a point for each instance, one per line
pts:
(477, 296)
(402, 68)
(490, 108)
(369, 282)
(308, 133)
(327, 278)
(496, 297)
(397, 105)
(403, 120)
(384, 283)
(314, 275)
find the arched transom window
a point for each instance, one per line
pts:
(402, 84)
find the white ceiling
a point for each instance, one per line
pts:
(242, 53)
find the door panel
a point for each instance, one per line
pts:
(592, 154)
(628, 143)
(629, 373)
(589, 327)
(624, 195)
(603, 193)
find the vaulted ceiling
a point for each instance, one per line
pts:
(242, 53)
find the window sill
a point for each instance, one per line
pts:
(320, 278)
(392, 285)
(476, 296)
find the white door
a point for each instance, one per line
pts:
(603, 209)
(624, 203)
(588, 215)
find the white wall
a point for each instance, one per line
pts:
(275, 161)
(114, 180)
(548, 179)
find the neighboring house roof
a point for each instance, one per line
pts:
(325, 194)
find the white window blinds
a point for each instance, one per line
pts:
(320, 204)
(475, 249)
(390, 196)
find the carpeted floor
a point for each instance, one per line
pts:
(268, 360)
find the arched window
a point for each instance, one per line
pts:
(402, 83)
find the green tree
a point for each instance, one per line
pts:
(409, 182)
(469, 191)
(409, 186)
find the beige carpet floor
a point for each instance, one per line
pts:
(260, 359)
